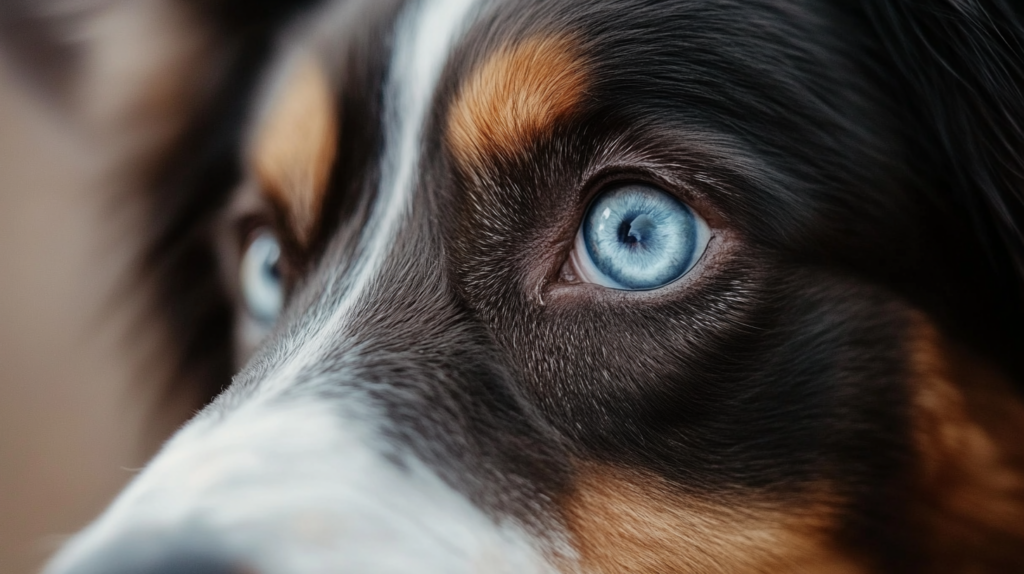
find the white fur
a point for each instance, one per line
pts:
(299, 488)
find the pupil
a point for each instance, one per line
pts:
(273, 269)
(624, 233)
(636, 230)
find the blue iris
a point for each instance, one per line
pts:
(639, 237)
(262, 284)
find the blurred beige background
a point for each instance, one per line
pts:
(76, 412)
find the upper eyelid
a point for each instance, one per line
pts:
(243, 223)
(694, 168)
(615, 174)
(249, 209)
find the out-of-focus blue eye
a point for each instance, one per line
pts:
(262, 282)
(638, 237)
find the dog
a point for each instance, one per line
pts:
(613, 287)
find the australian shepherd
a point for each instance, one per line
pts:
(525, 286)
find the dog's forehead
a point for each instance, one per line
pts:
(514, 72)
(497, 94)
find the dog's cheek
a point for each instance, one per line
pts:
(624, 521)
(967, 427)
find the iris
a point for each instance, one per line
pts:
(637, 237)
(262, 283)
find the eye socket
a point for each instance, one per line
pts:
(637, 237)
(262, 278)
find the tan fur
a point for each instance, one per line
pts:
(625, 522)
(295, 145)
(969, 433)
(518, 94)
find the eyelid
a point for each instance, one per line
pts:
(249, 227)
(616, 174)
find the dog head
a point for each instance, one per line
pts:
(520, 286)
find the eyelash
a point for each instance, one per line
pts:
(614, 175)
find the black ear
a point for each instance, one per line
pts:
(957, 69)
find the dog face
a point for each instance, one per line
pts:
(529, 286)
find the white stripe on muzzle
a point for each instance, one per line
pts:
(424, 37)
(300, 487)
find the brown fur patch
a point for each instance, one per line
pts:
(519, 93)
(969, 434)
(624, 522)
(295, 145)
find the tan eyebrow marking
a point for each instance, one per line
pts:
(295, 145)
(519, 93)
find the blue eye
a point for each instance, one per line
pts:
(261, 278)
(638, 237)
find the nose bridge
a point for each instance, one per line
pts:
(297, 483)
(443, 390)
(384, 314)
(389, 438)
